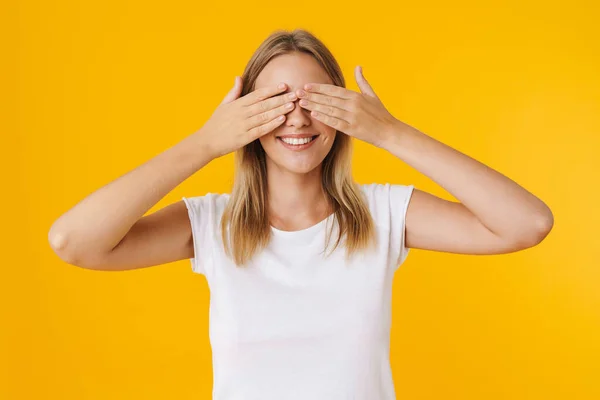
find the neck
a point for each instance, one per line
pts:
(295, 200)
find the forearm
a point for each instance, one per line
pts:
(101, 220)
(503, 206)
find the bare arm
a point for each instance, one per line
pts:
(107, 230)
(87, 233)
(494, 214)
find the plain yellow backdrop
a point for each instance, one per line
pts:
(91, 90)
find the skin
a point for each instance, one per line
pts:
(493, 214)
(294, 178)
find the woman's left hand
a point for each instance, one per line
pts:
(360, 115)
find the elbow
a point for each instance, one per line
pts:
(544, 230)
(544, 224)
(59, 242)
(540, 229)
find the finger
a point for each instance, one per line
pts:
(234, 92)
(334, 122)
(327, 110)
(263, 93)
(363, 85)
(270, 103)
(269, 115)
(331, 90)
(263, 129)
(343, 104)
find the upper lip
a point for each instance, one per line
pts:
(298, 135)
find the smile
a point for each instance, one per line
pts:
(297, 144)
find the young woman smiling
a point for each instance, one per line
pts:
(299, 259)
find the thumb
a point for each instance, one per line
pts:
(362, 82)
(234, 93)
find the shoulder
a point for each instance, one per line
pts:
(388, 204)
(381, 188)
(209, 204)
(205, 216)
(384, 198)
(208, 199)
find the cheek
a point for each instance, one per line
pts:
(268, 138)
(330, 133)
(324, 128)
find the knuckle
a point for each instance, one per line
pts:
(260, 130)
(263, 105)
(270, 103)
(274, 114)
(246, 112)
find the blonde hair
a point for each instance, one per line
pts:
(245, 215)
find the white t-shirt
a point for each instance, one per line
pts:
(292, 324)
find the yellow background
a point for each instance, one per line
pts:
(90, 90)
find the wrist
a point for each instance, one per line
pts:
(395, 133)
(196, 147)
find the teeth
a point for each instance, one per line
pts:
(295, 141)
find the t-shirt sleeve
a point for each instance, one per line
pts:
(389, 204)
(400, 196)
(204, 213)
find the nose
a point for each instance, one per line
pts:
(298, 116)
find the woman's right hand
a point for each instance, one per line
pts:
(238, 121)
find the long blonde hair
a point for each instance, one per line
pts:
(246, 211)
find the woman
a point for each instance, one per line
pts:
(289, 320)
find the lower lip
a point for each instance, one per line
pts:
(297, 147)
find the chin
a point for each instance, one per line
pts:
(301, 169)
(295, 165)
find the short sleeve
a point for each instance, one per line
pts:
(400, 196)
(205, 219)
(389, 204)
